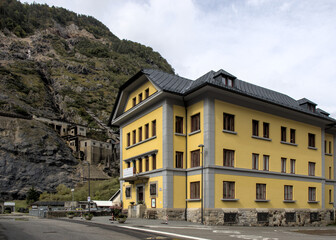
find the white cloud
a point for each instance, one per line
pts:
(288, 46)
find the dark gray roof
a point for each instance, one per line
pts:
(305, 100)
(183, 86)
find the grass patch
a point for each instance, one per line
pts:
(20, 204)
(100, 190)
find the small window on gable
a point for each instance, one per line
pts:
(147, 93)
(134, 101)
(140, 97)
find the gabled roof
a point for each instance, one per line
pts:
(304, 101)
(183, 86)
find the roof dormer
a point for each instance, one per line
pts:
(307, 104)
(227, 79)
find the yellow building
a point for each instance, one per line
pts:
(268, 159)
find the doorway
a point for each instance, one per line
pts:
(140, 194)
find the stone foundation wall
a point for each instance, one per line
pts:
(248, 217)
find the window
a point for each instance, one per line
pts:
(195, 190)
(262, 217)
(146, 131)
(152, 189)
(128, 192)
(283, 134)
(147, 163)
(128, 164)
(290, 217)
(329, 172)
(140, 97)
(153, 128)
(266, 130)
(228, 82)
(292, 166)
(228, 158)
(228, 122)
(230, 217)
(134, 136)
(261, 191)
(195, 122)
(179, 124)
(147, 93)
(311, 140)
(283, 165)
(311, 169)
(329, 147)
(128, 139)
(255, 128)
(330, 198)
(292, 135)
(154, 162)
(195, 158)
(266, 162)
(312, 194)
(255, 161)
(134, 101)
(140, 165)
(179, 160)
(325, 146)
(140, 134)
(288, 192)
(228, 190)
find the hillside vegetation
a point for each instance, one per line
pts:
(57, 63)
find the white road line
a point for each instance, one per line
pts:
(164, 233)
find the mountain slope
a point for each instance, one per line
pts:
(61, 63)
(56, 64)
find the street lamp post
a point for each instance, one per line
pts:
(72, 192)
(202, 146)
(89, 198)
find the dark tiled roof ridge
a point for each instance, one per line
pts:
(183, 86)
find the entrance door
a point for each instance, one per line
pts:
(140, 196)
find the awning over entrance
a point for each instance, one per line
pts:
(135, 177)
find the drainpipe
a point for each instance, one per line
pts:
(186, 158)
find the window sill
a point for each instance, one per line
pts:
(180, 134)
(194, 132)
(289, 201)
(261, 200)
(289, 143)
(193, 200)
(313, 202)
(261, 138)
(229, 199)
(312, 148)
(331, 202)
(136, 144)
(328, 154)
(228, 131)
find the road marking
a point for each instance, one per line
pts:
(164, 233)
(190, 227)
(253, 237)
(226, 231)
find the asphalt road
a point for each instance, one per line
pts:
(42, 229)
(30, 228)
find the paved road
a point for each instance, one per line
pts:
(41, 229)
(101, 228)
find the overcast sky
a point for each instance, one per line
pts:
(285, 45)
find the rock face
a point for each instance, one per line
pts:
(32, 154)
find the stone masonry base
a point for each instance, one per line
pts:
(248, 217)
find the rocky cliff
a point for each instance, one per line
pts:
(32, 154)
